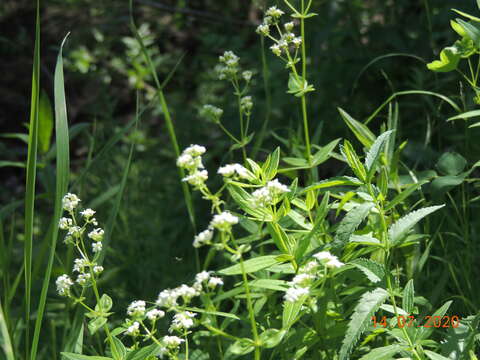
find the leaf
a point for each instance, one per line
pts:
(323, 154)
(408, 297)
(449, 58)
(72, 356)
(291, 311)
(472, 30)
(241, 347)
(105, 303)
(374, 271)
(383, 353)
(374, 152)
(349, 224)
(143, 353)
(272, 337)
(451, 163)
(353, 160)
(95, 324)
(270, 284)
(361, 131)
(298, 86)
(465, 115)
(460, 340)
(216, 313)
(361, 319)
(270, 166)
(45, 123)
(471, 17)
(404, 194)
(399, 229)
(434, 356)
(244, 200)
(118, 349)
(251, 265)
(331, 182)
(458, 29)
(425, 332)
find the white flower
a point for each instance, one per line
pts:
(181, 321)
(224, 221)
(136, 308)
(276, 49)
(276, 188)
(202, 276)
(65, 223)
(297, 41)
(329, 260)
(70, 202)
(186, 292)
(172, 341)
(155, 314)
(133, 329)
(96, 246)
(262, 197)
(79, 265)
(210, 112)
(96, 234)
(234, 170)
(167, 298)
(195, 150)
(302, 280)
(203, 238)
(274, 12)
(185, 161)
(246, 104)
(83, 279)
(75, 231)
(263, 29)
(197, 178)
(310, 267)
(97, 269)
(334, 263)
(247, 75)
(213, 282)
(63, 285)
(87, 213)
(293, 294)
(289, 26)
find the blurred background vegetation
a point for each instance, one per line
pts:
(151, 244)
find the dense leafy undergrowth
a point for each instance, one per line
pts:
(291, 265)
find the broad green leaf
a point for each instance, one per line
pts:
(298, 86)
(291, 310)
(434, 356)
(449, 58)
(72, 356)
(349, 224)
(332, 182)
(472, 29)
(399, 229)
(95, 324)
(465, 115)
(361, 319)
(398, 199)
(374, 271)
(251, 265)
(143, 353)
(241, 347)
(244, 200)
(270, 166)
(45, 123)
(118, 349)
(361, 131)
(323, 154)
(408, 297)
(451, 163)
(383, 353)
(272, 337)
(375, 151)
(105, 303)
(425, 332)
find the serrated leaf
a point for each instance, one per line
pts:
(361, 131)
(353, 160)
(449, 58)
(361, 319)
(383, 353)
(349, 224)
(72, 356)
(374, 271)
(398, 230)
(425, 332)
(244, 200)
(408, 297)
(251, 265)
(375, 150)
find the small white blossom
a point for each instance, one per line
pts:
(87, 213)
(155, 314)
(329, 260)
(185, 161)
(234, 170)
(186, 292)
(96, 234)
(182, 321)
(210, 112)
(334, 263)
(293, 294)
(263, 29)
(172, 341)
(297, 41)
(246, 104)
(197, 178)
(276, 49)
(213, 282)
(247, 75)
(97, 269)
(65, 223)
(274, 12)
(63, 285)
(302, 280)
(195, 150)
(262, 197)
(133, 329)
(203, 238)
(310, 267)
(224, 221)
(202, 276)
(167, 298)
(289, 26)
(83, 279)
(79, 265)
(136, 308)
(70, 202)
(277, 188)
(75, 231)
(97, 247)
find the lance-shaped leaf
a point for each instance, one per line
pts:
(361, 319)
(374, 271)
(375, 151)
(361, 131)
(353, 160)
(399, 230)
(350, 223)
(383, 353)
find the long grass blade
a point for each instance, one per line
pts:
(5, 340)
(31, 177)
(62, 176)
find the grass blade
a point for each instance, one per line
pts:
(31, 177)
(62, 171)
(5, 337)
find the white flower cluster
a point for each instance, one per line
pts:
(246, 105)
(191, 160)
(136, 309)
(222, 222)
(203, 238)
(63, 285)
(269, 194)
(300, 284)
(235, 170)
(70, 202)
(210, 112)
(228, 67)
(182, 321)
